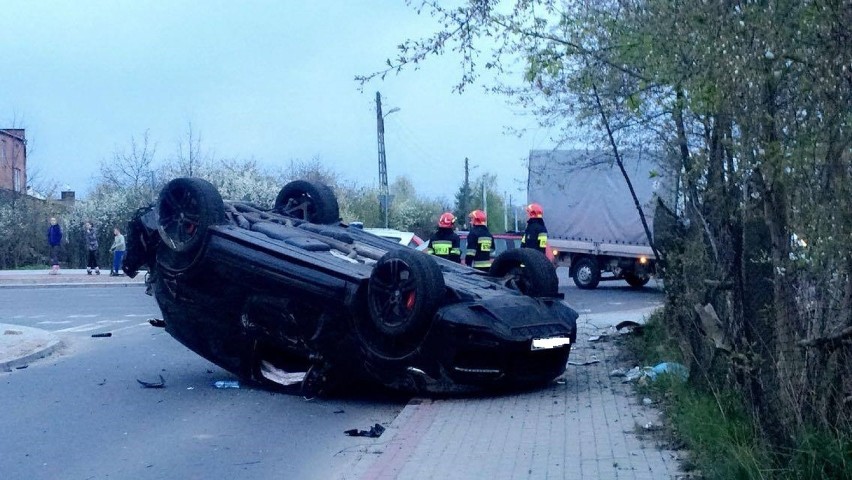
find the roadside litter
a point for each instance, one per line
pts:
(227, 384)
(645, 374)
(375, 431)
(102, 335)
(160, 384)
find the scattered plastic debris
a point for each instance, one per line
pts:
(634, 374)
(375, 431)
(227, 384)
(156, 322)
(647, 401)
(676, 369)
(101, 384)
(160, 384)
(644, 374)
(279, 376)
(630, 325)
(598, 338)
(101, 335)
(584, 363)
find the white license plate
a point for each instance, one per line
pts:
(548, 343)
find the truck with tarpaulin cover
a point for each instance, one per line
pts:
(594, 227)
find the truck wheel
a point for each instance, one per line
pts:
(527, 271)
(636, 281)
(309, 201)
(186, 209)
(404, 291)
(586, 273)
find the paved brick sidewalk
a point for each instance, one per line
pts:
(584, 426)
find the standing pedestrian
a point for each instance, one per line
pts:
(479, 242)
(117, 249)
(445, 242)
(54, 240)
(90, 237)
(535, 235)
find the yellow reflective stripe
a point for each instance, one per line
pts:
(481, 263)
(542, 240)
(470, 251)
(484, 244)
(455, 251)
(442, 247)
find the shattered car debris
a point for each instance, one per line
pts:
(268, 293)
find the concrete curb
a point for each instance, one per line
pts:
(43, 342)
(70, 285)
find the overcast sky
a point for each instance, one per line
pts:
(272, 80)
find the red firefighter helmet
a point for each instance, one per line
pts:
(447, 220)
(478, 217)
(534, 210)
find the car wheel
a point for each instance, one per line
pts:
(186, 209)
(527, 271)
(636, 281)
(586, 273)
(312, 202)
(404, 291)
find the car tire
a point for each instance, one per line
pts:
(586, 273)
(186, 209)
(636, 281)
(309, 201)
(405, 290)
(527, 271)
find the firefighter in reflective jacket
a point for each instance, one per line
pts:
(535, 235)
(479, 242)
(445, 242)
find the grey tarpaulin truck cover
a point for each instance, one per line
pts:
(590, 213)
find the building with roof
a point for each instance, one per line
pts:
(13, 160)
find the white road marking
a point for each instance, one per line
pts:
(81, 328)
(54, 322)
(146, 324)
(90, 315)
(141, 315)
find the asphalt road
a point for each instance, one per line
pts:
(609, 296)
(81, 413)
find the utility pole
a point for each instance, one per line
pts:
(506, 212)
(484, 198)
(383, 165)
(465, 189)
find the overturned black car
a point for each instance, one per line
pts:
(267, 292)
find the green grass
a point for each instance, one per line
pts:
(716, 427)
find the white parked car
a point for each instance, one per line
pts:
(404, 238)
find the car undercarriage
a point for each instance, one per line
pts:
(290, 297)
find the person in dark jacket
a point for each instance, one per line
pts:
(479, 242)
(445, 242)
(54, 240)
(90, 236)
(535, 235)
